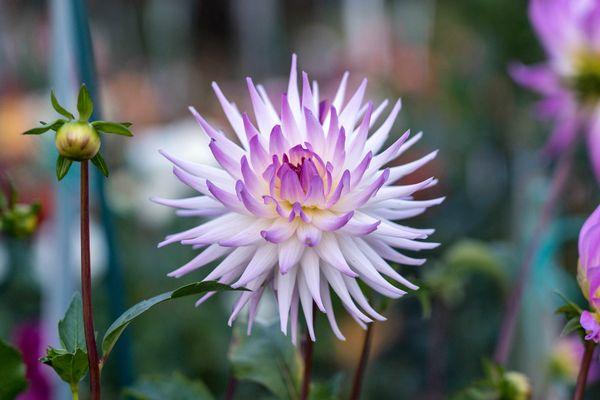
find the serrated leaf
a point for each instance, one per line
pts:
(71, 367)
(58, 108)
(112, 127)
(45, 128)
(70, 328)
(62, 166)
(98, 161)
(12, 372)
(174, 387)
(571, 326)
(85, 106)
(118, 326)
(267, 357)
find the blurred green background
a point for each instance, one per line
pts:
(446, 59)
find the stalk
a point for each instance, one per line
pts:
(586, 361)
(362, 363)
(513, 304)
(308, 356)
(231, 386)
(86, 285)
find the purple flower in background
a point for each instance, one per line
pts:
(304, 204)
(588, 273)
(569, 80)
(28, 338)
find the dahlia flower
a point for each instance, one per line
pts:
(303, 204)
(588, 274)
(569, 80)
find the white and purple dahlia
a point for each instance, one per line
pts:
(303, 203)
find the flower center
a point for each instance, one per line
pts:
(300, 176)
(586, 81)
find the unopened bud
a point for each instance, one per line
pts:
(77, 141)
(516, 386)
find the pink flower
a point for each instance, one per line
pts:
(590, 323)
(304, 204)
(588, 273)
(569, 80)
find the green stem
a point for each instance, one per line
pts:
(75, 391)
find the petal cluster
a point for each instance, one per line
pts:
(304, 204)
(588, 273)
(569, 80)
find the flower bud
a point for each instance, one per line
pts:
(20, 221)
(516, 386)
(77, 140)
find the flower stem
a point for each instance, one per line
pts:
(362, 363)
(513, 304)
(231, 386)
(75, 391)
(308, 356)
(86, 285)
(586, 361)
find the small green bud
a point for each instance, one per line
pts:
(516, 386)
(21, 220)
(77, 140)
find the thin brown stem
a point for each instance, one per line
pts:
(586, 361)
(231, 386)
(515, 298)
(308, 356)
(86, 285)
(362, 363)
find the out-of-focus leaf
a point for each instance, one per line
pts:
(571, 326)
(267, 357)
(474, 256)
(174, 387)
(118, 326)
(70, 328)
(85, 106)
(12, 372)
(329, 390)
(70, 366)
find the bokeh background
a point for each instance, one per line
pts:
(448, 61)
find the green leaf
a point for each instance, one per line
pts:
(70, 366)
(329, 390)
(12, 372)
(126, 124)
(85, 106)
(62, 166)
(267, 357)
(116, 329)
(58, 108)
(571, 326)
(70, 328)
(98, 161)
(45, 127)
(112, 127)
(174, 387)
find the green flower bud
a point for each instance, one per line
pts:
(516, 386)
(20, 221)
(77, 140)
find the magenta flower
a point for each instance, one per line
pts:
(304, 204)
(569, 80)
(588, 274)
